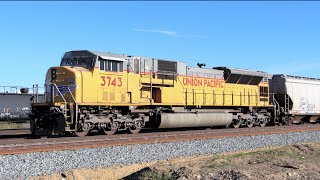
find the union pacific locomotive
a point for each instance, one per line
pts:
(93, 91)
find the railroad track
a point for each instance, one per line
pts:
(18, 146)
(5, 132)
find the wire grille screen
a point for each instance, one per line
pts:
(167, 66)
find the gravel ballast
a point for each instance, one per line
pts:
(22, 166)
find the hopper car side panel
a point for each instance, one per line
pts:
(305, 96)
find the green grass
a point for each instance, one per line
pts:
(263, 152)
(292, 154)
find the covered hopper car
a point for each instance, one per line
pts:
(93, 91)
(298, 96)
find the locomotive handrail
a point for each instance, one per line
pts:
(65, 102)
(75, 104)
(277, 105)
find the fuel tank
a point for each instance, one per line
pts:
(185, 120)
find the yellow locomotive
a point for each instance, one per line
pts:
(92, 91)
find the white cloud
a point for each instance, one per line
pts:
(169, 33)
(172, 33)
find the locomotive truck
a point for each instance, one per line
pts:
(92, 91)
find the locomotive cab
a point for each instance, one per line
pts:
(84, 88)
(67, 78)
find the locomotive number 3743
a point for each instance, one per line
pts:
(111, 81)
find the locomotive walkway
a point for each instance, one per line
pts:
(21, 145)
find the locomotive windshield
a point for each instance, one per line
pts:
(86, 62)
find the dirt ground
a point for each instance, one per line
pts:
(289, 162)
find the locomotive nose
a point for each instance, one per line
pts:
(56, 74)
(58, 77)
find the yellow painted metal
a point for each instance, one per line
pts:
(102, 88)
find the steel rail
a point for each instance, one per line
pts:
(72, 143)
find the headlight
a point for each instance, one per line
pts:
(53, 74)
(70, 80)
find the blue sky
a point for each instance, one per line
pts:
(277, 37)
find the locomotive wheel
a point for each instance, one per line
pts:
(249, 123)
(134, 130)
(236, 123)
(109, 131)
(82, 133)
(284, 121)
(110, 128)
(83, 130)
(288, 121)
(135, 127)
(37, 131)
(263, 122)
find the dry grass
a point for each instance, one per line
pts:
(295, 162)
(9, 125)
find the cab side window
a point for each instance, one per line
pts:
(120, 66)
(102, 64)
(110, 65)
